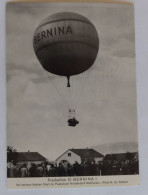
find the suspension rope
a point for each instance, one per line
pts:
(58, 90)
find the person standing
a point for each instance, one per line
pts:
(39, 171)
(24, 171)
(32, 170)
(47, 169)
(13, 170)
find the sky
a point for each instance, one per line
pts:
(36, 113)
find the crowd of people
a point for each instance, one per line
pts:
(90, 168)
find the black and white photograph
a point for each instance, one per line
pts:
(71, 95)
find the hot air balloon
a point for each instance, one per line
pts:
(66, 44)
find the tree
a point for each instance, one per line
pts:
(11, 154)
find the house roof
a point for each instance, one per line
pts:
(87, 153)
(121, 156)
(84, 153)
(28, 156)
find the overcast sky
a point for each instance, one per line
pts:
(37, 116)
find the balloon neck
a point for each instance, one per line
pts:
(68, 81)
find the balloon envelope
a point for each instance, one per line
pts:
(66, 43)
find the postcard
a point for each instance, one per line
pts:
(71, 95)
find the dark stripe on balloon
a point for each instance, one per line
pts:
(89, 44)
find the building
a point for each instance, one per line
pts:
(25, 157)
(79, 155)
(122, 156)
